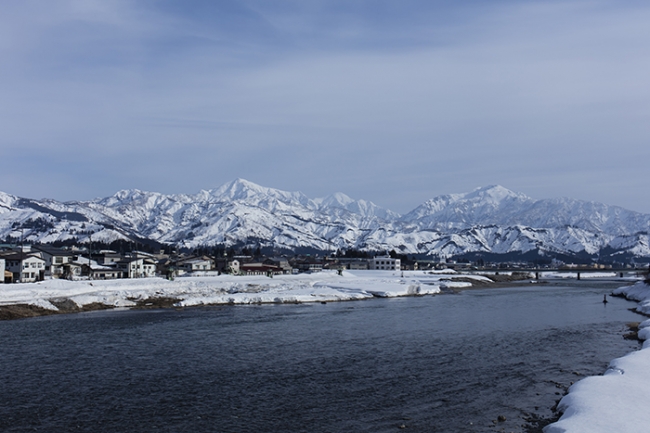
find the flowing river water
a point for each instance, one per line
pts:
(446, 363)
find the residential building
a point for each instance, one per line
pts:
(132, 267)
(281, 262)
(25, 267)
(384, 263)
(194, 264)
(310, 265)
(260, 269)
(353, 263)
(360, 265)
(233, 266)
(55, 259)
(101, 272)
(107, 257)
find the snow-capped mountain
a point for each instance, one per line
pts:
(500, 206)
(491, 219)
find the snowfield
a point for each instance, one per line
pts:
(227, 289)
(618, 400)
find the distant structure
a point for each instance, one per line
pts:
(387, 263)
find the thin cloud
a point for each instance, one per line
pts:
(369, 99)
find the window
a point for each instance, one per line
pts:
(58, 260)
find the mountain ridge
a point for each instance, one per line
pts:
(490, 219)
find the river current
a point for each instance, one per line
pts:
(446, 363)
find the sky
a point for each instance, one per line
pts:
(390, 101)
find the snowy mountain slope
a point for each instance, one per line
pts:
(483, 206)
(500, 206)
(36, 222)
(491, 219)
(360, 207)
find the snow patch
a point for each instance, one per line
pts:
(616, 401)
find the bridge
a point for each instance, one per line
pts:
(580, 271)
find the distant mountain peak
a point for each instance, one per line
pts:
(488, 219)
(238, 188)
(337, 199)
(495, 193)
(128, 193)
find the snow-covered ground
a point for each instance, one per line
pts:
(618, 401)
(228, 289)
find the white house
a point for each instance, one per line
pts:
(234, 266)
(137, 267)
(108, 257)
(102, 272)
(196, 264)
(56, 259)
(25, 267)
(385, 263)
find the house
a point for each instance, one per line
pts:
(81, 267)
(260, 269)
(233, 266)
(281, 262)
(72, 270)
(358, 265)
(194, 264)
(132, 267)
(55, 259)
(25, 267)
(353, 263)
(84, 267)
(107, 257)
(226, 265)
(310, 265)
(100, 272)
(385, 263)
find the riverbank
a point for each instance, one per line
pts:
(617, 400)
(63, 296)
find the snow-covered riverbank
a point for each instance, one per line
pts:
(228, 289)
(618, 400)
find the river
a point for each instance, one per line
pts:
(446, 363)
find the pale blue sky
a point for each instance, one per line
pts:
(394, 102)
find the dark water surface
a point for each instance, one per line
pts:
(449, 363)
